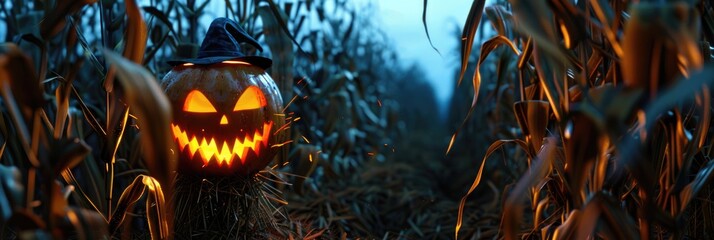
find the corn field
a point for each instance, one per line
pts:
(570, 119)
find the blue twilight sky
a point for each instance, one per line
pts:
(401, 19)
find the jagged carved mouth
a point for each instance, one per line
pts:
(224, 152)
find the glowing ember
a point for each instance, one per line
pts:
(222, 153)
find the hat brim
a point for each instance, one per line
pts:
(258, 61)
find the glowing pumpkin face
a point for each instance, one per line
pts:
(226, 117)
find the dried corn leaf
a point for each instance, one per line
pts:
(601, 209)
(131, 194)
(491, 149)
(532, 117)
(703, 177)
(426, 29)
(513, 206)
(469, 33)
(486, 49)
(153, 112)
(54, 20)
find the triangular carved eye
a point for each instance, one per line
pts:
(252, 98)
(198, 103)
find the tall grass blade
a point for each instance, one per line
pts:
(68, 153)
(690, 191)
(17, 75)
(153, 113)
(157, 214)
(162, 18)
(469, 33)
(54, 21)
(131, 194)
(486, 49)
(513, 207)
(532, 117)
(655, 39)
(491, 149)
(87, 223)
(603, 211)
(426, 29)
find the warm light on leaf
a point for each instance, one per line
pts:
(451, 143)
(566, 35)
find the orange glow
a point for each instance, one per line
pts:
(187, 64)
(282, 144)
(252, 98)
(236, 62)
(222, 153)
(451, 144)
(198, 103)
(291, 102)
(566, 35)
(224, 120)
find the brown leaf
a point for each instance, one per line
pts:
(156, 209)
(86, 224)
(533, 117)
(486, 49)
(17, 75)
(22, 78)
(68, 153)
(658, 39)
(469, 33)
(513, 207)
(153, 112)
(128, 198)
(581, 142)
(54, 20)
(602, 210)
(491, 149)
(426, 29)
(136, 35)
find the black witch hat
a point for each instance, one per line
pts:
(222, 42)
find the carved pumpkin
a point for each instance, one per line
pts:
(226, 112)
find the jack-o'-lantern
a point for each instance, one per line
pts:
(227, 109)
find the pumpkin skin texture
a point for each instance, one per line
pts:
(225, 118)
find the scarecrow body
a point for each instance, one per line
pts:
(227, 115)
